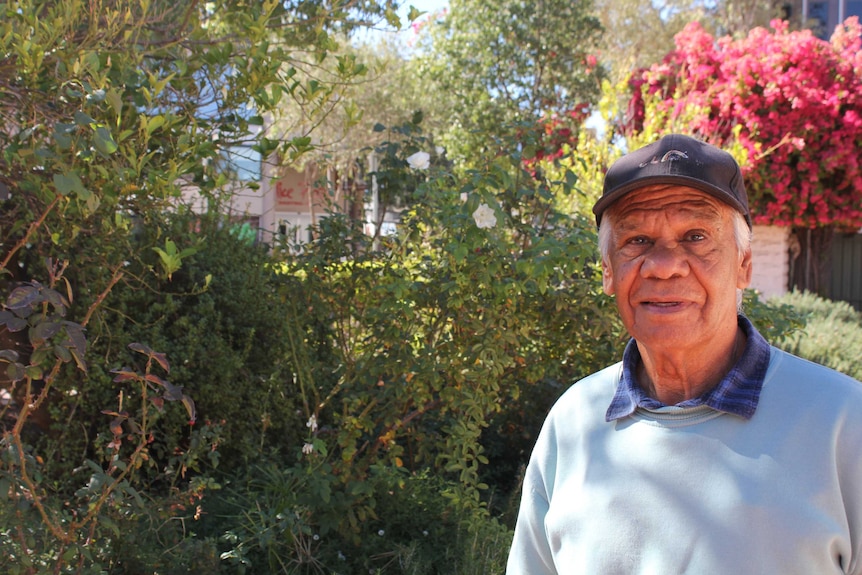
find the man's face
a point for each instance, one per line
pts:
(674, 266)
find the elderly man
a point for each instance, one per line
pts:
(706, 450)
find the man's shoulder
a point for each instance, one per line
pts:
(806, 379)
(788, 363)
(596, 389)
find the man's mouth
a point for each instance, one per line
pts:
(662, 304)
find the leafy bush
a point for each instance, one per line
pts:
(54, 528)
(271, 520)
(775, 319)
(224, 318)
(832, 335)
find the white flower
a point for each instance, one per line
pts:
(307, 448)
(312, 423)
(419, 160)
(484, 217)
(439, 150)
(381, 533)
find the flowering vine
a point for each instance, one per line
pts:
(791, 101)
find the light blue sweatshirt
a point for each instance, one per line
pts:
(696, 490)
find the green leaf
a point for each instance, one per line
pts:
(15, 372)
(34, 372)
(104, 141)
(16, 324)
(172, 392)
(70, 555)
(83, 119)
(460, 253)
(190, 408)
(43, 331)
(140, 348)
(115, 100)
(23, 297)
(93, 62)
(68, 183)
(154, 124)
(63, 135)
(414, 13)
(110, 524)
(62, 353)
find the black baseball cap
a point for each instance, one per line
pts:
(681, 160)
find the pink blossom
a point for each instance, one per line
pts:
(793, 101)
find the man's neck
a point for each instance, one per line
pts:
(675, 376)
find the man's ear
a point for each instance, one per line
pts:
(607, 277)
(743, 277)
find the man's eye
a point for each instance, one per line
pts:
(696, 236)
(638, 241)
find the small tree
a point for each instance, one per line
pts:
(516, 62)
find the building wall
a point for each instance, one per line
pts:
(769, 249)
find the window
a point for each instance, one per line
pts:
(818, 19)
(242, 162)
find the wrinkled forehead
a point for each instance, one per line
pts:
(667, 200)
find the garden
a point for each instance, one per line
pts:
(179, 397)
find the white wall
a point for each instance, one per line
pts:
(770, 261)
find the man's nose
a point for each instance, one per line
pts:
(665, 260)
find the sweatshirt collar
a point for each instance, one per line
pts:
(737, 393)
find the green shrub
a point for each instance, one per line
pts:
(832, 335)
(222, 318)
(775, 319)
(163, 546)
(54, 528)
(269, 526)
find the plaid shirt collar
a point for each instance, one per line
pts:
(737, 393)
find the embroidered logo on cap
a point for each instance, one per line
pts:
(668, 157)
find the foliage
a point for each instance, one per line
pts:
(222, 313)
(385, 91)
(832, 334)
(516, 62)
(415, 529)
(639, 34)
(487, 292)
(111, 113)
(790, 100)
(775, 319)
(51, 532)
